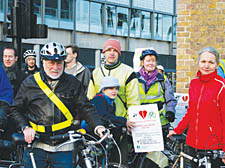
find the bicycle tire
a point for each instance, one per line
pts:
(115, 165)
(144, 162)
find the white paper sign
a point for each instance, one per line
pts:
(181, 107)
(147, 135)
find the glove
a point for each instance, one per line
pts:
(170, 116)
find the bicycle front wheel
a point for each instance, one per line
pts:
(145, 162)
(114, 165)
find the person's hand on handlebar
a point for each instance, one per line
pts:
(223, 159)
(29, 134)
(171, 133)
(100, 131)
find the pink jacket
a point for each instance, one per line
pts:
(205, 117)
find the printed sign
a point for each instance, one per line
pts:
(181, 108)
(147, 134)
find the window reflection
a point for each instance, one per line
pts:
(110, 19)
(158, 26)
(175, 29)
(122, 25)
(143, 4)
(51, 8)
(95, 17)
(145, 24)
(10, 5)
(37, 7)
(67, 9)
(124, 2)
(135, 24)
(1, 6)
(82, 14)
(167, 27)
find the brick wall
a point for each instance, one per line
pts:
(200, 23)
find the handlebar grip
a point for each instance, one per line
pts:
(60, 137)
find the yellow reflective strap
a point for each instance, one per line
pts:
(57, 102)
(39, 128)
(61, 125)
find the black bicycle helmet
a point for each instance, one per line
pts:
(53, 51)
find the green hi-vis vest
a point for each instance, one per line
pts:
(154, 95)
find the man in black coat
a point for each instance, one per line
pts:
(46, 104)
(15, 75)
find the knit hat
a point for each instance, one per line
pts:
(112, 43)
(108, 81)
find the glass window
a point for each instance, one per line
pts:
(175, 29)
(110, 19)
(1, 6)
(10, 5)
(96, 17)
(82, 15)
(37, 7)
(135, 23)
(164, 6)
(122, 21)
(148, 4)
(124, 2)
(67, 9)
(158, 26)
(66, 14)
(146, 24)
(167, 27)
(51, 8)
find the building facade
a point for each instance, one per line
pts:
(199, 24)
(88, 23)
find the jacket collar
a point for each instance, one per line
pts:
(208, 77)
(110, 67)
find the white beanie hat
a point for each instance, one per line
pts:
(108, 81)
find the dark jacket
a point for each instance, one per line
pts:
(30, 72)
(31, 104)
(108, 111)
(15, 77)
(82, 73)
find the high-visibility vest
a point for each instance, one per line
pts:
(222, 64)
(154, 95)
(58, 103)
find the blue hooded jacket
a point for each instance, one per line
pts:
(6, 91)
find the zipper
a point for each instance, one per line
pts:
(196, 126)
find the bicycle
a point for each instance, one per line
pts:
(203, 158)
(87, 150)
(11, 158)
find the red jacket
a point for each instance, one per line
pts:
(205, 117)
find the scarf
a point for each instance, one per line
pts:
(149, 78)
(11, 72)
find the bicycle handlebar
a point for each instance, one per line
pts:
(211, 153)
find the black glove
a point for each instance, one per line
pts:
(170, 116)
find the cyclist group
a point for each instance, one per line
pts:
(49, 101)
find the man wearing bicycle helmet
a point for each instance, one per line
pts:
(46, 105)
(30, 60)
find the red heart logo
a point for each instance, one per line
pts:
(143, 113)
(185, 98)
